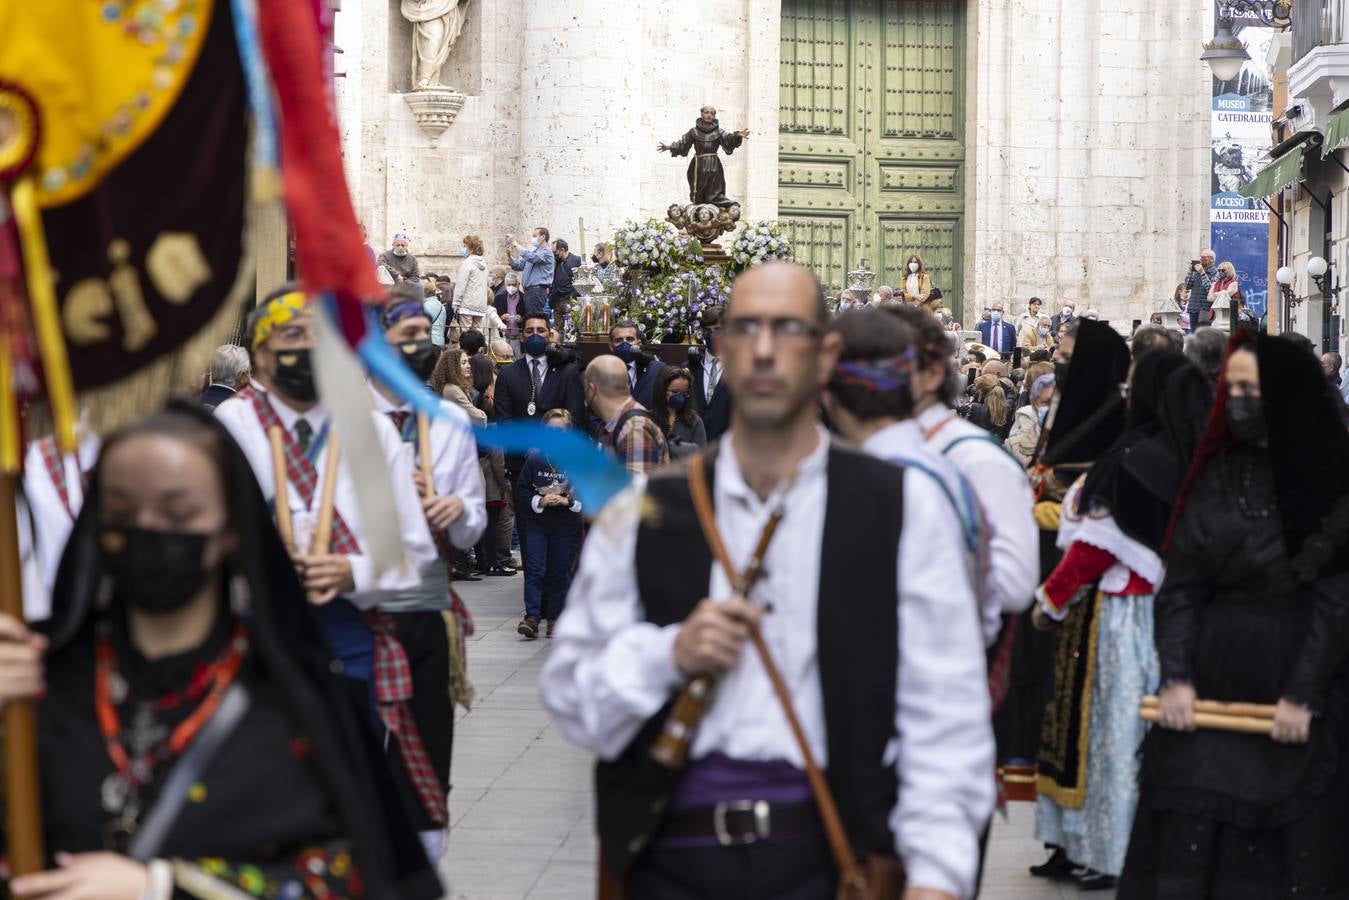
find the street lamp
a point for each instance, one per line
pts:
(1284, 277)
(1226, 53)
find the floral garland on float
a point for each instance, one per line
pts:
(667, 284)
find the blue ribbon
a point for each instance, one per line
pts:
(595, 475)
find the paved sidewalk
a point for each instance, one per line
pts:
(520, 810)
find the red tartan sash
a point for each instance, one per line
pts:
(300, 472)
(55, 464)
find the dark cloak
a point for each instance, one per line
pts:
(707, 178)
(1090, 414)
(287, 647)
(1138, 478)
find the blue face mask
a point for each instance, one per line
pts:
(678, 400)
(624, 351)
(536, 345)
(463, 251)
(1042, 412)
(995, 316)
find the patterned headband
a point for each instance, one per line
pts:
(398, 311)
(278, 312)
(887, 374)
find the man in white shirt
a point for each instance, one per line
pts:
(875, 632)
(342, 583)
(456, 513)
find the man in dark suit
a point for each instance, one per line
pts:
(563, 291)
(230, 373)
(625, 340)
(711, 397)
(997, 334)
(532, 385)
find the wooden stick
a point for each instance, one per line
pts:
(1252, 710)
(323, 529)
(281, 500)
(23, 805)
(1244, 724)
(424, 448)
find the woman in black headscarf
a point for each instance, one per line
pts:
(1114, 520)
(1254, 608)
(192, 735)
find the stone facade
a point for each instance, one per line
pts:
(1088, 132)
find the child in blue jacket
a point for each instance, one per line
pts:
(551, 524)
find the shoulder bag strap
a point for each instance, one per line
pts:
(849, 873)
(187, 771)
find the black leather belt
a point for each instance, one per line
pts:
(744, 822)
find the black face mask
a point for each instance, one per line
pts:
(1061, 375)
(1246, 418)
(154, 571)
(294, 375)
(421, 357)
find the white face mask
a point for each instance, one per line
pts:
(535, 241)
(913, 267)
(511, 289)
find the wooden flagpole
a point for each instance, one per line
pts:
(23, 803)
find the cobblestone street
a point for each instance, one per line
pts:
(521, 806)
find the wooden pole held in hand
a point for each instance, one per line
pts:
(1218, 722)
(323, 529)
(1252, 710)
(23, 804)
(424, 452)
(281, 496)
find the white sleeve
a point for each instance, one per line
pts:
(460, 284)
(608, 671)
(459, 475)
(944, 756)
(1004, 493)
(418, 548)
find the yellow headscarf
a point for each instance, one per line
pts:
(276, 313)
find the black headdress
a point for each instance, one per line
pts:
(1137, 479)
(1090, 414)
(289, 645)
(1308, 447)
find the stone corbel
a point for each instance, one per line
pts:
(434, 109)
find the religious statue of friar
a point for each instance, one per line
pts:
(436, 25)
(707, 179)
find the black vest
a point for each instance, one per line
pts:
(857, 630)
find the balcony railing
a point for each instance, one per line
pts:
(1316, 23)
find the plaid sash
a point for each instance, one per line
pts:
(300, 472)
(55, 465)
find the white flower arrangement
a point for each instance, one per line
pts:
(759, 242)
(653, 245)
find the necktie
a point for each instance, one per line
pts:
(632, 375)
(536, 376)
(304, 434)
(400, 418)
(713, 376)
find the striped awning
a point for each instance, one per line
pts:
(1337, 132)
(1285, 170)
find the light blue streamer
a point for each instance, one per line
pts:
(265, 154)
(595, 476)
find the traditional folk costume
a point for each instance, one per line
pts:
(1088, 419)
(432, 621)
(53, 492)
(295, 800)
(1114, 520)
(362, 638)
(876, 633)
(1253, 609)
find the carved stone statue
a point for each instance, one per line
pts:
(436, 25)
(707, 179)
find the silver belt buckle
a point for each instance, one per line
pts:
(763, 826)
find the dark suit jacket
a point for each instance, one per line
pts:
(562, 272)
(215, 394)
(1008, 335)
(646, 382)
(562, 389)
(716, 415)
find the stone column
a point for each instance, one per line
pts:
(580, 134)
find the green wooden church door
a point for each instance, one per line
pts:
(872, 143)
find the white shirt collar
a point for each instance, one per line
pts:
(731, 481)
(903, 435)
(315, 417)
(932, 415)
(383, 405)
